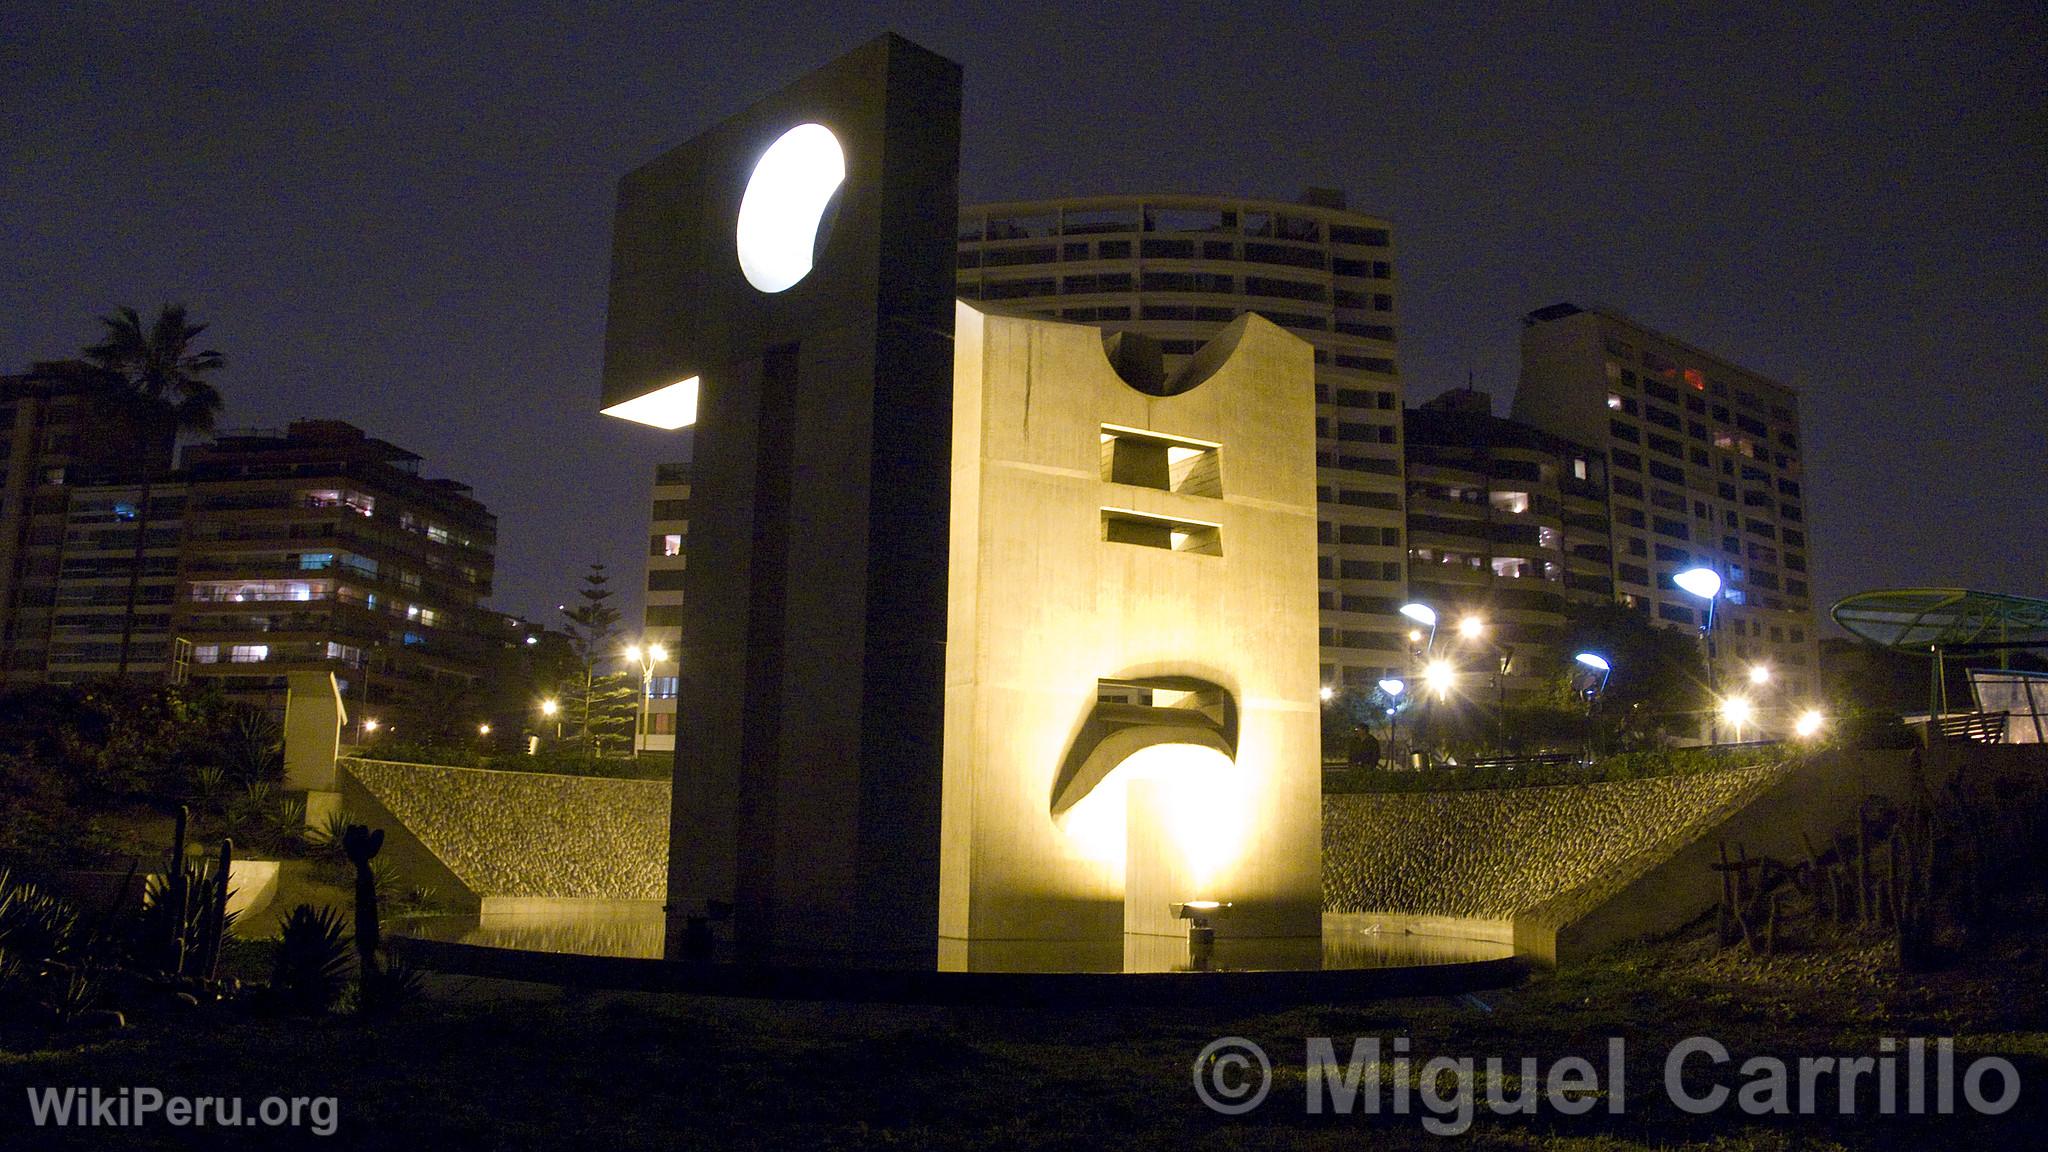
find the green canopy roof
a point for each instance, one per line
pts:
(1917, 619)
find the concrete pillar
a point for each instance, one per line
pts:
(313, 716)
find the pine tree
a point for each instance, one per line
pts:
(598, 705)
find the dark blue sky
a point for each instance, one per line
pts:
(398, 215)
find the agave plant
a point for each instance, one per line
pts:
(208, 782)
(326, 838)
(311, 969)
(34, 924)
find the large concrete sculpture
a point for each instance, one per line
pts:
(1114, 709)
(786, 280)
(1131, 693)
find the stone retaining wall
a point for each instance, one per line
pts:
(525, 835)
(1499, 853)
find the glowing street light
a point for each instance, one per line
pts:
(1737, 710)
(1472, 627)
(1424, 615)
(1760, 674)
(1704, 583)
(552, 709)
(1438, 676)
(1597, 663)
(1393, 687)
(647, 658)
(483, 729)
(1809, 724)
(1327, 693)
(371, 725)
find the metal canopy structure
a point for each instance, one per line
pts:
(1922, 619)
(1939, 622)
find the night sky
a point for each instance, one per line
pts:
(400, 216)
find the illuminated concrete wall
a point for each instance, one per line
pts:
(1131, 708)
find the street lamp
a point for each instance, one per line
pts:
(1424, 615)
(1472, 627)
(1438, 676)
(1597, 663)
(553, 711)
(1391, 688)
(1737, 710)
(647, 657)
(1760, 674)
(1327, 693)
(1809, 724)
(1704, 583)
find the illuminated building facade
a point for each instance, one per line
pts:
(57, 440)
(1704, 469)
(1180, 268)
(667, 554)
(319, 548)
(1507, 524)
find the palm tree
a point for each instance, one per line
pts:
(158, 363)
(154, 377)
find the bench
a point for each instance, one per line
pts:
(1969, 727)
(1535, 760)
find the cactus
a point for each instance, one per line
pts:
(176, 893)
(214, 921)
(362, 845)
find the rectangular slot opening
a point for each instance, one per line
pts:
(1122, 526)
(1168, 463)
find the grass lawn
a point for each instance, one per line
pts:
(483, 1065)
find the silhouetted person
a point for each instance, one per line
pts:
(1363, 749)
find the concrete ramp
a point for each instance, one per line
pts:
(510, 841)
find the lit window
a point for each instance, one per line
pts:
(1516, 502)
(1578, 469)
(1695, 379)
(124, 511)
(672, 544)
(437, 534)
(206, 653)
(1512, 567)
(1614, 401)
(248, 653)
(313, 561)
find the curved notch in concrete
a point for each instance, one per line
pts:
(1205, 715)
(1139, 361)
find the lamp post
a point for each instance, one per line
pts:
(1472, 629)
(553, 711)
(1737, 710)
(1705, 583)
(1597, 663)
(647, 657)
(1393, 687)
(1424, 615)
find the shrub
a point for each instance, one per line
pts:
(310, 970)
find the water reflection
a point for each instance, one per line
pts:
(635, 929)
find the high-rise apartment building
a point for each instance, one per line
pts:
(321, 548)
(1177, 269)
(56, 436)
(1704, 470)
(667, 554)
(1506, 526)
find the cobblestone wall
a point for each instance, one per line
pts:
(527, 834)
(1497, 853)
